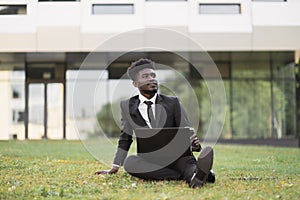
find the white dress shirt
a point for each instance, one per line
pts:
(143, 110)
(143, 107)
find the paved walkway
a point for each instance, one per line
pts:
(267, 142)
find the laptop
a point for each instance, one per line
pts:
(163, 145)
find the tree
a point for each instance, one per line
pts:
(109, 120)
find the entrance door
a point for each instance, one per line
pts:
(45, 111)
(36, 111)
(45, 100)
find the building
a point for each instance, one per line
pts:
(43, 42)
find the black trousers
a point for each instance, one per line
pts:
(182, 169)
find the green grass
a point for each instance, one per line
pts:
(64, 169)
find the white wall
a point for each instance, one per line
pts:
(18, 32)
(58, 26)
(276, 25)
(164, 13)
(224, 23)
(71, 26)
(5, 109)
(276, 13)
(19, 23)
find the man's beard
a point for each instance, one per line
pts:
(151, 92)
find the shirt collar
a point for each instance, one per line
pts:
(143, 99)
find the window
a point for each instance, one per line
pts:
(18, 116)
(16, 94)
(103, 9)
(219, 8)
(56, 0)
(166, 0)
(13, 9)
(270, 0)
(17, 90)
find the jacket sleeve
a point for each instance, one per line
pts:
(125, 138)
(181, 118)
(183, 121)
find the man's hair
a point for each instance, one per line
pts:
(138, 65)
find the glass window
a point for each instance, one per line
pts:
(284, 100)
(251, 110)
(210, 72)
(16, 94)
(55, 92)
(166, 0)
(13, 9)
(270, 0)
(250, 65)
(81, 111)
(205, 103)
(219, 8)
(103, 9)
(18, 116)
(56, 0)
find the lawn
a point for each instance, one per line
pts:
(64, 169)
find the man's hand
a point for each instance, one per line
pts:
(113, 170)
(195, 143)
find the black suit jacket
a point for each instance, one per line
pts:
(168, 113)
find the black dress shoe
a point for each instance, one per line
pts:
(204, 164)
(195, 182)
(211, 178)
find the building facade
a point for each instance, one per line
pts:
(43, 44)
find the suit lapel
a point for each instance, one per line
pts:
(160, 113)
(135, 113)
(158, 110)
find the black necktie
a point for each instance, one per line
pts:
(150, 113)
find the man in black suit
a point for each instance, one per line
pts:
(153, 110)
